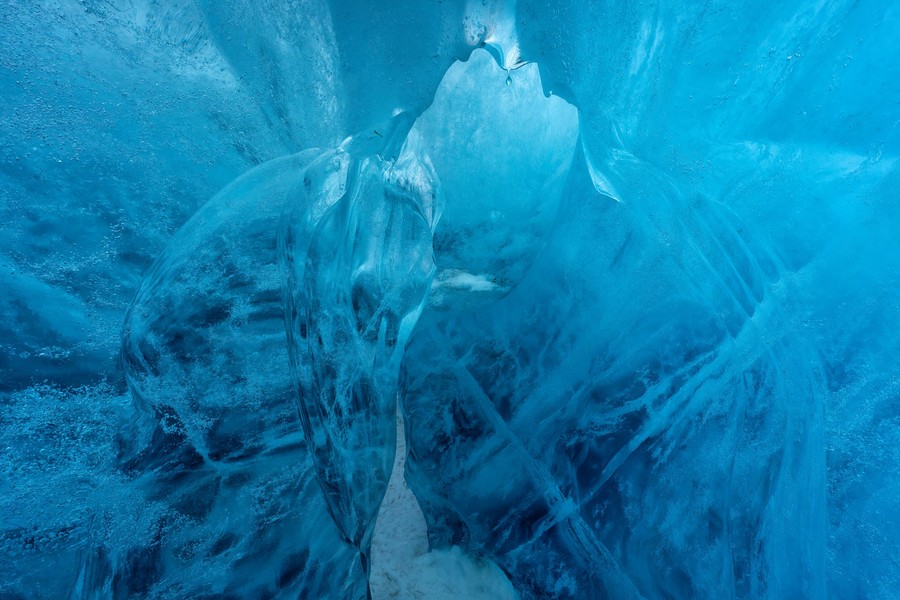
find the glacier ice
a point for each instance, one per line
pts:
(501, 151)
(358, 262)
(218, 432)
(629, 272)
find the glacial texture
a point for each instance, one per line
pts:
(358, 265)
(207, 366)
(628, 270)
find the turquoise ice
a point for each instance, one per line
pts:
(629, 272)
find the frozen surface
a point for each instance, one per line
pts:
(630, 271)
(501, 151)
(404, 568)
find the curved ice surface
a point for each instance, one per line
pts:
(356, 282)
(552, 444)
(219, 438)
(655, 358)
(337, 246)
(204, 338)
(502, 152)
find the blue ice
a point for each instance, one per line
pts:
(628, 273)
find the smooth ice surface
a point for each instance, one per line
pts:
(357, 256)
(501, 151)
(630, 270)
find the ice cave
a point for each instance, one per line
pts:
(449, 299)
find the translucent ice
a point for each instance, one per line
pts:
(206, 362)
(502, 153)
(630, 270)
(359, 263)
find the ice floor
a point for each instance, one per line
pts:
(402, 566)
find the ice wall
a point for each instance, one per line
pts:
(641, 325)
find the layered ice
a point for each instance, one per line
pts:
(358, 262)
(217, 436)
(629, 271)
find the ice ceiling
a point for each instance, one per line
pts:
(629, 271)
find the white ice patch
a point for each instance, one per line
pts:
(462, 280)
(402, 566)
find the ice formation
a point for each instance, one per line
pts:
(627, 274)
